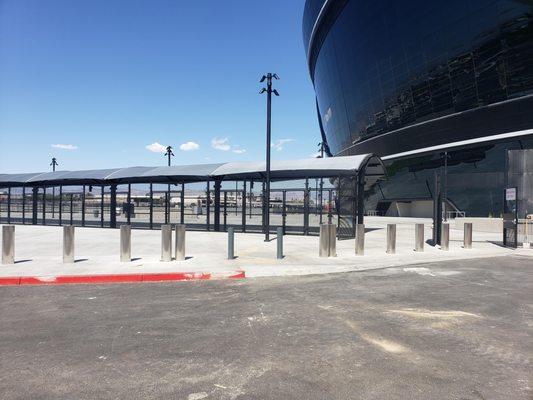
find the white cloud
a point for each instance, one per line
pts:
(220, 144)
(188, 146)
(278, 144)
(156, 147)
(223, 144)
(65, 146)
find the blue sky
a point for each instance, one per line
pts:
(102, 80)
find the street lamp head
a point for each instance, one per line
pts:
(54, 163)
(275, 92)
(169, 151)
(275, 76)
(263, 78)
(262, 91)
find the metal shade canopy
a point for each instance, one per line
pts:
(370, 165)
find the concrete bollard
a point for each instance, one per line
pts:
(180, 242)
(445, 237)
(467, 241)
(166, 242)
(327, 246)
(419, 237)
(323, 247)
(323, 241)
(360, 239)
(231, 243)
(8, 244)
(332, 240)
(279, 239)
(391, 238)
(125, 243)
(68, 243)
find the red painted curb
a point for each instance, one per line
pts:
(118, 278)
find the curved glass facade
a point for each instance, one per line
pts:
(388, 64)
(392, 76)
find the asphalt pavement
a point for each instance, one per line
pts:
(447, 330)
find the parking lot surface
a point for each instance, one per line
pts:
(447, 330)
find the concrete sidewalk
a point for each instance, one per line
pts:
(38, 252)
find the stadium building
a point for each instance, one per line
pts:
(431, 87)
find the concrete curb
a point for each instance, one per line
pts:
(117, 278)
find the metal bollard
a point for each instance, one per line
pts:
(231, 243)
(445, 237)
(360, 239)
(467, 241)
(279, 239)
(391, 238)
(8, 244)
(419, 237)
(332, 240)
(323, 247)
(180, 242)
(125, 243)
(68, 243)
(166, 242)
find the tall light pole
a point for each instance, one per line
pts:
(266, 209)
(445, 194)
(53, 164)
(168, 154)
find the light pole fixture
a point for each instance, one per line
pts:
(169, 154)
(54, 163)
(266, 202)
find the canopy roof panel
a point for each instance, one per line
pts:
(280, 170)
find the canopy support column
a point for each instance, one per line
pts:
(71, 208)
(23, 205)
(102, 206)
(44, 206)
(437, 210)
(250, 197)
(218, 184)
(225, 208)
(9, 205)
(284, 211)
(128, 207)
(360, 197)
(263, 204)
(306, 207)
(338, 206)
(321, 199)
(113, 206)
(60, 205)
(151, 222)
(330, 202)
(167, 204)
(35, 192)
(182, 204)
(83, 206)
(208, 206)
(243, 206)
